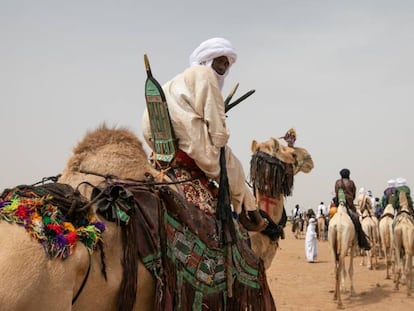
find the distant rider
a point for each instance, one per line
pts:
(349, 189)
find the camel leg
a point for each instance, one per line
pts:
(388, 263)
(386, 252)
(392, 252)
(377, 252)
(369, 258)
(381, 253)
(363, 254)
(295, 230)
(343, 274)
(339, 278)
(408, 268)
(397, 273)
(351, 274)
(403, 279)
(336, 291)
(397, 279)
(387, 269)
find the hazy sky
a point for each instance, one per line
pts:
(339, 72)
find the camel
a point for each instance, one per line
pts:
(403, 236)
(321, 228)
(370, 228)
(385, 230)
(364, 205)
(298, 227)
(53, 284)
(310, 213)
(272, 204)
(342, 238)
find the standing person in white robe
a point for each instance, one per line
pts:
(197, 111)
(311, 241)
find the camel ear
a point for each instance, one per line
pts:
(254, 146)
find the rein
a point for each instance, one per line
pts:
(408, 215)
(46, 179)
(387, 215)
(368, 211)
(149, 181)
(274, 230)
(404, 212)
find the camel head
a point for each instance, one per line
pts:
(299, 157)
(283, 162)
(279, 163)
(273, 148)
(303, 160)
(364, 204)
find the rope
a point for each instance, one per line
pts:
(150, 181)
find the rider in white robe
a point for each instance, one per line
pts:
(197, 111)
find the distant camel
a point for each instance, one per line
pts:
(364, 203)
(321, 228)
(297, 226)
(370, 228)
(385, 230)
(342, 238)
(404, 243)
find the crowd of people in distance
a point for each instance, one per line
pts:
(350, 198)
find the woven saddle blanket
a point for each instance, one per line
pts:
(181, 246)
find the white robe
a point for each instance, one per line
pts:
(311, 242)
(198, 117)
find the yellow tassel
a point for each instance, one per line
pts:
(13, 205)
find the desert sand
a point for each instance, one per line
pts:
(297, 285)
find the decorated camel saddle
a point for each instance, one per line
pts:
(179, 243)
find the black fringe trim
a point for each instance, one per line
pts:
(270, 176)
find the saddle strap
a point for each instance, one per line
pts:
(84, 280)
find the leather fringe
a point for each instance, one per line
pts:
(270, 176)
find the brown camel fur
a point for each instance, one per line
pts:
(342, 241)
